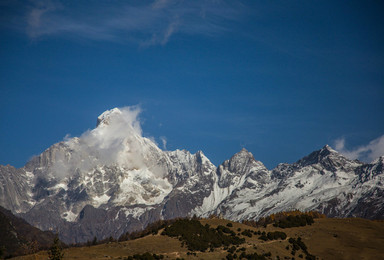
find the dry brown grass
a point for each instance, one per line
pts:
(326, 239)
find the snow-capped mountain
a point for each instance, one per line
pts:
(112, 180)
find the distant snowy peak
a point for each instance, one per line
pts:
(106, 117)
(116, 141)
(121, 121)
(327, 157)
(242, 162)
(379, 160)
(379, 164)
(203, 160)
(233, 172)
(370, 171)
(329, 148)
(244, 155)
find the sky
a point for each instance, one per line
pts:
(279, 78)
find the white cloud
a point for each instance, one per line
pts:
(367, 153)
(145, 23)
(164, 141)
(117, 140)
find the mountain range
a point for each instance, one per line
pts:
(111, 180)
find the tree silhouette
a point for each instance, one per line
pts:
(56, 251)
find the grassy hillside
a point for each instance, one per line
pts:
(324, 239)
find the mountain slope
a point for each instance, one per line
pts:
(111, 180)
(18, 237)
(325, 239)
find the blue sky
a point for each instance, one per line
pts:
(280, 78)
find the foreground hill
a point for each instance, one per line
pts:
(18, 237)
(112, 180)
(351, 238)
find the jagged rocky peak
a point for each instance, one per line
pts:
(242, 164)
(106, 117)
(330, 152)
(327, 157)
(243, 156)
(379, 160)
(326, 151)
(240, 161)
(58, 151)
(200, 154)
(201, 158)
(377, 166)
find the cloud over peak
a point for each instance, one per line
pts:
(117, 140)
(369, 152)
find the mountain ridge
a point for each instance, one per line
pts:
(111, 180)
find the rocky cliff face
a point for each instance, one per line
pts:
(16, 189)
(112, 180)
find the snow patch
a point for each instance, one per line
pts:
(136, 212)
(141, 186)
(69, 216)
(59, 186)
(97, 201)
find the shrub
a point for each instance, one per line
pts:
(253, 256)
(295, 221)
(232, 250)
(275, 218)
(263, 237)
(247, 233)
(200, 238)
(273, 236)
(145, 256)
(298, 244)
(229, 256)
(223, 229)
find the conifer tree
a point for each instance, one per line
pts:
(56, 251)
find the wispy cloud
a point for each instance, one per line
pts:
(161, 37)
(367, 153)
(36, 14)
(143, 22)
(164, 141)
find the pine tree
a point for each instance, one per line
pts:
(56, 251)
